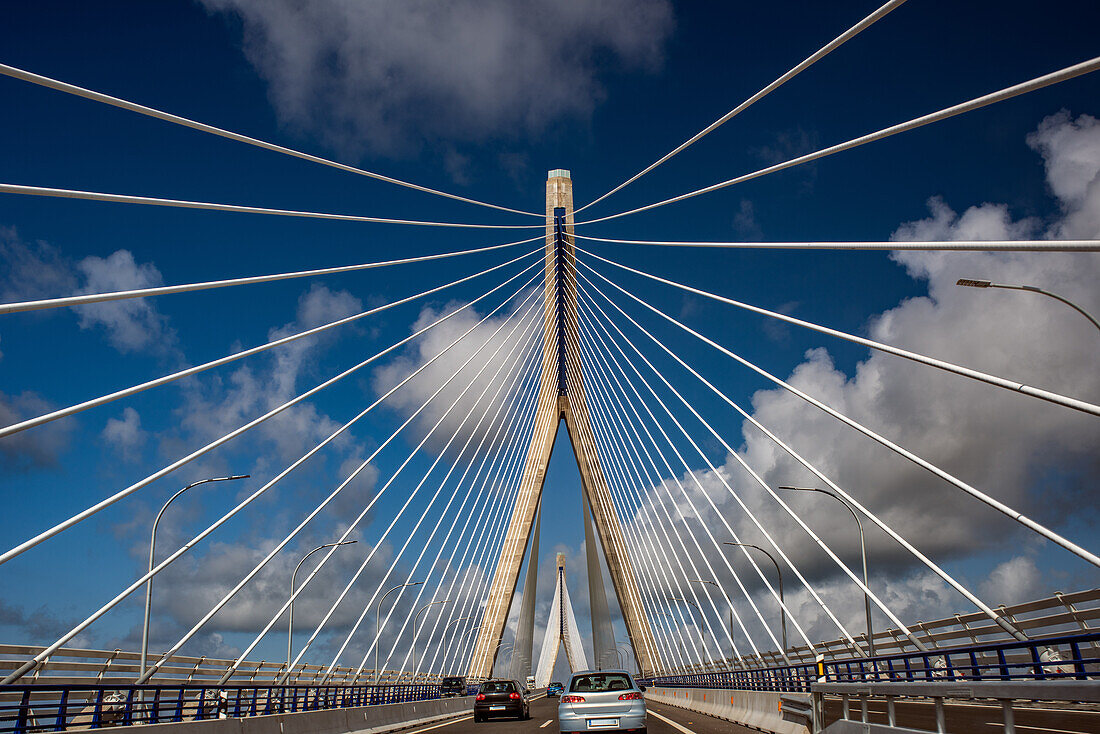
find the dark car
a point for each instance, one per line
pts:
(501, 698)
(554, 689)
(452, 686)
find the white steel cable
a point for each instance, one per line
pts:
(698, 516)
(23, 190)
(511, 468)
(946, 476)
(274, 551)
(706, 594)
(133, 390)
(506, 471)
(1046, 80)
(366, 609)
(653, 545)
(502, 464)
(576, 371)
(948, 245)
(521, 375)
(950, 580)
(84, 514)
(1050, 397)
(431, 568)
(575, 386)
(519, 321)
(83, 300)
(50, 650)
(807, 63)
(355, 523)
(759, 480)
(494, 604)
(611, 369)
(61, 86)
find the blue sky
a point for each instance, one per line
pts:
(635, 82)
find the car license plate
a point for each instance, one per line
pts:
(496, 708)
(603, 723)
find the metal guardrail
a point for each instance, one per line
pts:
(1068, 657)
(44, 708)
(1060, 614)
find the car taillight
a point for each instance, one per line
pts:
(480, 697)
(572, 699)
(514, 696)
(631, 696)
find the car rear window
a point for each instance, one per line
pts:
(498, 686)
(598, 682)
(453, 681)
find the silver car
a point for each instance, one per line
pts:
(602, 700)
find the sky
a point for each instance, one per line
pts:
(481, 99)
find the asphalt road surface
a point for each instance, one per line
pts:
(662, 719)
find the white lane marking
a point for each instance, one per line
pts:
(445, 723)
(546, 723)
(667, 720)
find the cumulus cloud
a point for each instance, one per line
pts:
(417, 391)
(36, 448)
(32, 270)
(125, 435)
(35, 270)
(1036, 457)
(133, 325)
(382, 76)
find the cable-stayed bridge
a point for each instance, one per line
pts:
(701, 561)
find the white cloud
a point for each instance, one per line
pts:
(1016, 580)
(387, 75)
(125, 434)
(1034, 456)
(133, 325)
(417, 391)
(36, 448)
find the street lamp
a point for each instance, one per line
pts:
(443, 634)
(152, 550)
(497, 651)
(672, 629)
(415, 617)
(290, 626)
(863, 552)
(377, 632)
(733, 653)
(702, 634)
(971, 283)
(782, 603)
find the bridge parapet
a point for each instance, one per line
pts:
(1057, 615)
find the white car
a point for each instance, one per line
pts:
(598, 700)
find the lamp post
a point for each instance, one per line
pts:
(672, 628)
(377, 632)
(702, 634)
(443, 634)
(290, 626)
(416, 616)
(729, 601)
(497, 651)
(863, 553)
(782, 603)
(152, 550)
(972, 283)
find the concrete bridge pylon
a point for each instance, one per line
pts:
(562, 398)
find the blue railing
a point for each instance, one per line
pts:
(1074, 658)
(43, 708)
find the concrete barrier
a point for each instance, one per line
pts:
(755, 709)
(360, 720)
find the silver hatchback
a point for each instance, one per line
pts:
(602, 700)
